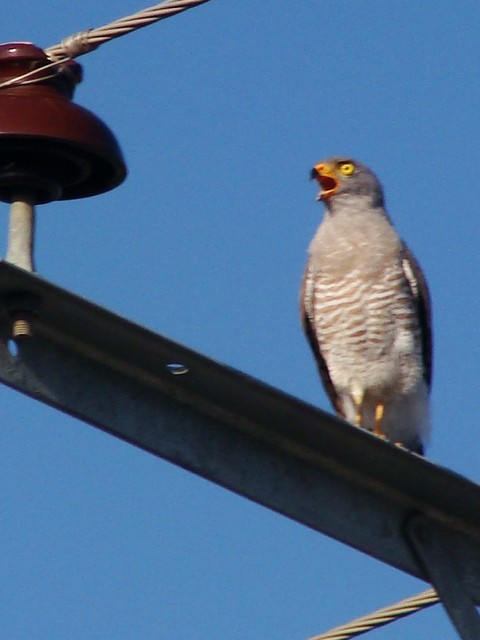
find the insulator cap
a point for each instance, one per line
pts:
(51, 148)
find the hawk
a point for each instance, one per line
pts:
(365, 309)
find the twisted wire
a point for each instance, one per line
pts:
(32, 76)
(85, 41)
(381, 617)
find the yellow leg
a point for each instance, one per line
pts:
(357, 396)
(358, 416)
(379, 411)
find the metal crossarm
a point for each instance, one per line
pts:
(232, 429)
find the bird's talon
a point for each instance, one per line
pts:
(379, 411)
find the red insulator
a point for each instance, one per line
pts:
(50, 148)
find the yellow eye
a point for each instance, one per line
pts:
(347, 168)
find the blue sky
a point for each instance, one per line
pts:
(221, 112)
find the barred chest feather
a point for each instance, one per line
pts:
(361, 306)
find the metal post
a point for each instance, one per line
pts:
(21, 233)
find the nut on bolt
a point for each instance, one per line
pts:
(22, 309)
(21, 326)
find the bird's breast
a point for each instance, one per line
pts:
(365, 243)
(360, 304)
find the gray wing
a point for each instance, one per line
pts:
(419, 288)
(306, 316)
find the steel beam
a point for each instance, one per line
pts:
(453, 564)
(226, 426)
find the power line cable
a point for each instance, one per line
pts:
(381, 617)
(86, 41)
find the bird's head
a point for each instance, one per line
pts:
(346, 177)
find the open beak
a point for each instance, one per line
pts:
(324, 174)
